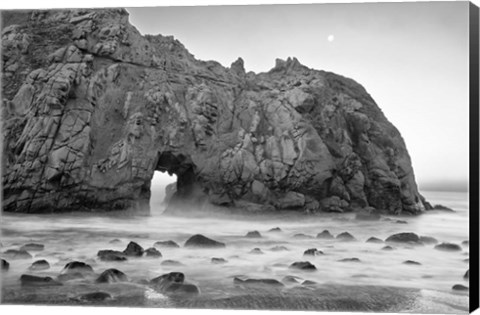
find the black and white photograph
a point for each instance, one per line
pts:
(293, 157)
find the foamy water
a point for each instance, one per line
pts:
(69, 237)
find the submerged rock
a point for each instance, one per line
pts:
(111, 255)
(111, 276)
(17, 254)
(279, 249)
(201, 241)
(410, 238)
(374, 240)
(411, 262)
(115, 241)
(5, 265)
(32, 247)
(77, 267)
(253, 234)
(312, 252)
(325, 234)
(94, 116)
(466, 276)
(353, 259)
(303, 265)
(459, 287)
(258, 282)
(345, 236)
(275, 230)
(29, 280)
(216, 260)
(428, 240)
(40, 265)
(95, 297)
(465, 243)
(166, 244)
(442, 208)
(302, 236)
(152, 252)
(448, 247)
(173, 283)
(309, 283)
(388, 247)
(291, 279)
(170, 262)
(133, 249)
(256, 251)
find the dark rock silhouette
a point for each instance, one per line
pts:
(133, 249)
(448, 247)
(303, 265)
(111, 276)
(92, 108)
(5, 265)
(325, 234)
(166, 244)
(39, 265)
(410, 238)
(111, 255)
(29, 280)
(199, 240)
(77, 267)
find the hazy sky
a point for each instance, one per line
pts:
(411, 57)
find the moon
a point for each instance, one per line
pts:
(331, 38)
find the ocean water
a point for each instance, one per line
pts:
(380, 281)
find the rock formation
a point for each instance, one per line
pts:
(91, 108)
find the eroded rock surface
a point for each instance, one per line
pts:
(92, 108)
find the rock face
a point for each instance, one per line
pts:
(92, 108)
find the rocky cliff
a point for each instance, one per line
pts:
(91, 108)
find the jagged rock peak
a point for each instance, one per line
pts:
(93, 108)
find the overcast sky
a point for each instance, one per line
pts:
(411, 57)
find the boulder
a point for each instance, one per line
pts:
(345, 236)
(256, 251)
(216, 260)
(115, 241)
(32, 247)
(111, 276)
(466, 276)
(200, 241)
(166, 244)
(410, 238)
(40, 265)
(258, 282)
(303, 265)
(465, 243)
(353, 259)
(134, 250)
(312, 252)
(171, 263)
(173, 283)
(374, 240)
(309, 283)
(34, 281)
(302, 236)
(275, 230)
(111, 255)
(152, 252)
(17, 254)
(448, 247)
(291, 279)
(325, 234)
(428, 240)
(253, 234)
(387, 248)
(77, 267)
(5, 265)
(411, 262)
(459, 287)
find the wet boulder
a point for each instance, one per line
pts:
(374, 240)
(170, 262)
(303, 265)
(173, 283)
(387, 248)
(253, 234)
(40, 265)
(291, 279)
(17, 254)
(256, 251)
(200, 241)
(258, 282)
(346, 237)
(428, 240)
(302, 236)
(325, 234)
(34, 281)
(448, 247)
(411, 262)
(152, 252)
(33, 247)
(353, 259)
(410, 238)
(5, 265)
(216, 260)
(442, 208)
(111, 255)
(95, 297)
(134, 250)
(111, 276)
(312, 252)
(166, 244)
(466, 276)
(400, 222)
(275, 230)
(77, 267)
(309, 283)
(459, 287)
